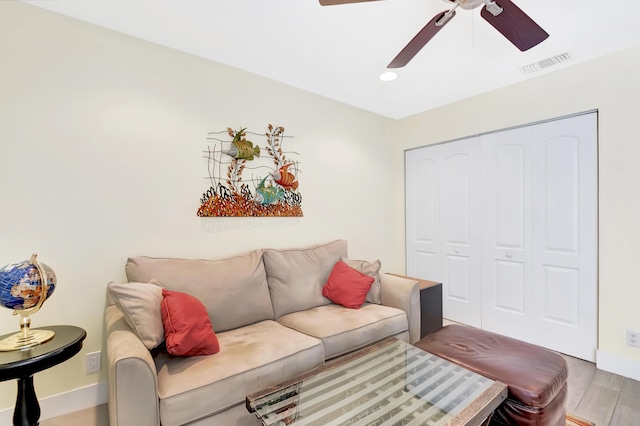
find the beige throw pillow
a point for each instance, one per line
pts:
(140, 304)
(371, 269)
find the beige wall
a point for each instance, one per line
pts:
(102, 140)
(610, 85)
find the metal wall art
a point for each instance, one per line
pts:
(272, 185)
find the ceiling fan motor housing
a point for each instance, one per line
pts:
(466, 4)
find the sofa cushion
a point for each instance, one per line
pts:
(346, 286)
(373, 270)
(233, 290)
(296, 276)
(250, 359)
(140, 306)
(343, 330)
(186, 325)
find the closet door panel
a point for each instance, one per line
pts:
(507, 273)
(455, 215)
(510, 198)
(460, 222)
(457, 198)
(425, 223)
(424, 265)
(561, 295)
(559, 194)
(509, 287)
(565, 242)
(442, 223)
(422, 232)
(458, 279)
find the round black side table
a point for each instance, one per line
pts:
(23, 364)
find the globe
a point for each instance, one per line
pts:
(21, 284)
(23, 290)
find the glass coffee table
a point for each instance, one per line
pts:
(388, 383)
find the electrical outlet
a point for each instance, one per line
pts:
(92, 363)
(633, 338)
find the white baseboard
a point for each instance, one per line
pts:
(618, 365)
(65, 403)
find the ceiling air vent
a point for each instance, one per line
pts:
(546, 63)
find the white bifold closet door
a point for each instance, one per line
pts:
(539, 223)
(443, 224)
(509, 226)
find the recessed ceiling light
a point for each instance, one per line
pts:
(388, 76)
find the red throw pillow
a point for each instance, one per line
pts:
(347, 286)
(187, 327)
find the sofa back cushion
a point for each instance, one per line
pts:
(296, 276)
(234, 291)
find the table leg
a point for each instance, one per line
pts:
(27, 411)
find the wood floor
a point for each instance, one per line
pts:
(602, 397)
(95, 416)
(596, 395)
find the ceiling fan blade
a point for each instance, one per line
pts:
(515, 25)
(332, 2)
(422, 38)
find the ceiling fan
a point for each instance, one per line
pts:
(503, 15)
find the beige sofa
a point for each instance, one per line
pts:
(271, 321)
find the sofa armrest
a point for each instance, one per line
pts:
(403, 293)
(133, 390)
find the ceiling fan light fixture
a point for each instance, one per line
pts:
(388, 76)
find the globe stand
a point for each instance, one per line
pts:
(28, 338)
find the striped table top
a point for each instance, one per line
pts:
(389, 383)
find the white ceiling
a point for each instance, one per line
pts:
(339, 51)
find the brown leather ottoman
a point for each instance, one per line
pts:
(536, 377)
